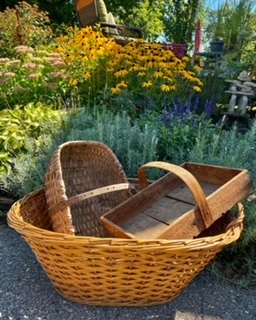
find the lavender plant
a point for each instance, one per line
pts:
(179, 127)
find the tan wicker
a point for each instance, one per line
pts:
(78, 171)
(112, 271)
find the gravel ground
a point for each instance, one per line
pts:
(26, 293)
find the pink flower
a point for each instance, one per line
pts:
(9, 74)
(56, 75)
(20, 89)
(30, 65)
(34, 75)
(24, 49)
(58, 62)
(4, 60)
(51, 85)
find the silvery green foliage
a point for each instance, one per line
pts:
(228, 148)
(132, 144)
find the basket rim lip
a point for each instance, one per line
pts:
(28, 230)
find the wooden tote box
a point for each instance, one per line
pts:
(181, 205)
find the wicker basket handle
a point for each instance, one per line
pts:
(87, 195)
(204, 217)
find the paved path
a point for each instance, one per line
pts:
(26, 293)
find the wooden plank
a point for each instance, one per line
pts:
(144, 227)
(184, 194)
(211, 174)
(168, 210)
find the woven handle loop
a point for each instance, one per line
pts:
(238, 222)
(204, 217)
(87, 195)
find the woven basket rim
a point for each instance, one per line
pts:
(28, 230)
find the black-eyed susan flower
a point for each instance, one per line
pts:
(115, 90)
(147, 84)
(121, 73)
(197, 89)
(158, 74)
(165, 88)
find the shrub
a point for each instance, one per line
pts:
(20, 123)
(34, 75)
(23, 25)
(178, 129)
(132, 145)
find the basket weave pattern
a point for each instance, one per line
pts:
(112, 271)
(75, 168)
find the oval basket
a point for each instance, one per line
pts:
(112, 271)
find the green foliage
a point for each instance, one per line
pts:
(133, 145)
(178, 129)
(237, 262)
(20, 123)
(59, 11)
(233, 22)
(23, 25)
(180, 20)
(228, 148)
(149, 19)
(122, 9)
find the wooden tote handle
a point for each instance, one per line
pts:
(195, 188)
(87, 195)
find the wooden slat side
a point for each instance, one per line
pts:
(116, 231)
(211, 174)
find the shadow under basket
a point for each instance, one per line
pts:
(114, 271)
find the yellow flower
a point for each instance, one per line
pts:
(158, 74)
(73, 82)
(185, 59)
(86, 75)
(197, 89)
(198, 68)
(122, 85)
(141, 74)
(121, 73)
(115, 90)
(147, 84)
(165, 88)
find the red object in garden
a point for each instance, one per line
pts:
(179, 49)
(198, 37)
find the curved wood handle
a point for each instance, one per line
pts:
(204, 216)
(87, 195)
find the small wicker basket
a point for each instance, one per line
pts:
(112, 271)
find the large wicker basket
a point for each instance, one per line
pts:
(113, 271)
